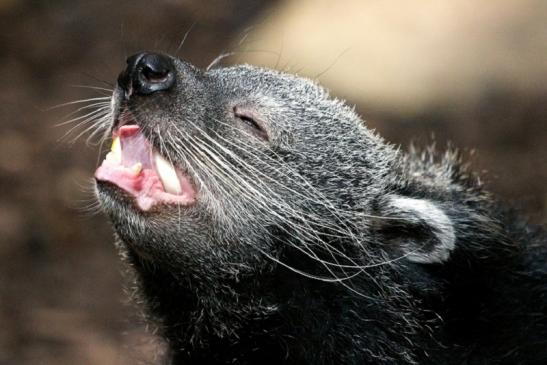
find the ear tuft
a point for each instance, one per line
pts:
(418, 228)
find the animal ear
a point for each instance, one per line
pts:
(416, 228)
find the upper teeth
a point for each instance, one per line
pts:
(115, 150)
(167, 174)
(137, 168)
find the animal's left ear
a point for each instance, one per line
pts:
(416, 228)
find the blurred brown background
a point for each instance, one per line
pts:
(473, 73)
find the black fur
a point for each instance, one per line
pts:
(439, 272)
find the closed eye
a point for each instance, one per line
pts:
(252, 121)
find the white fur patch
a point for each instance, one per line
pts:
(440, 224)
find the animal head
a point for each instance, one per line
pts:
(229, 171)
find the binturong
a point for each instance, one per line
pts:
(265, 224)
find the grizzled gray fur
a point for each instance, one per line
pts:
(314, 241)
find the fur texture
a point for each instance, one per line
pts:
(313, 241)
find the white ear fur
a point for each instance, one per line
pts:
(441, 226)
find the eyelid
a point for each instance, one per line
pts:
(253, 118)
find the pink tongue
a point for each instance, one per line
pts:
(144, 184)
(135, 147)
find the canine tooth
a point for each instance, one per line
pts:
(137, 168)
(111, 158)
(167, 174)
(116, 150)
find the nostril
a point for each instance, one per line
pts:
(154, 74)
(147, 73)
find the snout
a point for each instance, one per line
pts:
(147, 73)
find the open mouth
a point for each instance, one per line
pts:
(136, 167)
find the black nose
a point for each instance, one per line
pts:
(147, 73)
